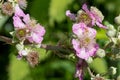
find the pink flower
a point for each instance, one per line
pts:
(18, 22)
(27, 28)
(85, 44)
(95, 14)
(37, 33)
(90, 17)
(70, 15)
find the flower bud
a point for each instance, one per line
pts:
(110, 26)
(100, 53)
(89, 60)
(117, 20)
(113, 70)
(19, 47)
(111, 33)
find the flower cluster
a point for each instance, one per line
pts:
(90, 17)
(26, 30)
(84, 43)
(113, 32)
(28, 35)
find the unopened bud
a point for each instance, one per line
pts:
(89, 60)
(100, 53)
(19, 47)
(111, 33)
(110, 26)
(113, 70)
(117, 20)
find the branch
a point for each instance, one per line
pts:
(90, 72)
(55, 48)
(44, 46)
(6, 39)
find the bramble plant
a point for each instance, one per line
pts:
(28, 35)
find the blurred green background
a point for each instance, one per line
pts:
(51, 14)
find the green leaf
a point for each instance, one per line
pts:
(3, 19)
(18, 69)
(99, 65)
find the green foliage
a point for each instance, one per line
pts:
(17, 69)
(99, 65)
(3, 19)
(39, 10)
(57, 10)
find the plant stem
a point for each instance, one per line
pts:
(90, 72)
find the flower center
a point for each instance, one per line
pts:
(84, 42)
(85, 18)
(21, 33)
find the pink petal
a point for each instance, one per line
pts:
(17, 22)
(26, 18)
(83, 54)
(39, 30)
(80, 52)
(91, 33)
(84, 7)
(100, 25)
(78, 28)
(34, 38)
(18, 11)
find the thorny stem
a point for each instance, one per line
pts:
(55, 48)
(58, 49)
